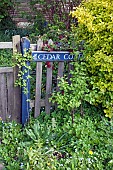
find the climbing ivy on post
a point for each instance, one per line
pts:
(21, 61)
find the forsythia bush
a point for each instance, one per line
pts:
(94, 33)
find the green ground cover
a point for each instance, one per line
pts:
(53, 142)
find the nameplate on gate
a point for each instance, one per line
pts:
(52, 56)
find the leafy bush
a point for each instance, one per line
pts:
(95, 28)
(4, 7)
(92, 78)
(55, 12)
(71, 95)
(53, 142)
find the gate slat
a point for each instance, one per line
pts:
(70, 67)
(6, 70)
(60, 72)
(38, 88)
(48, 88)
(3, 97)
(10, 88)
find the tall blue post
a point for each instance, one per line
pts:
(25, 45)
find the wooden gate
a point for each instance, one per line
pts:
(10, 96)
(6, 93)
(9, 103)
(50, 77)
(44, 102)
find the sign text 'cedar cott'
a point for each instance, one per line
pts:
(52, 56)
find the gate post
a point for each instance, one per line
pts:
(17, 90)
(25, 45)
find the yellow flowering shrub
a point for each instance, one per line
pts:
(95, 29)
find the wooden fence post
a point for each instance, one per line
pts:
(17, 90)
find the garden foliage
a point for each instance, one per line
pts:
(52, 142)
(5, 57)
(54, 11)
(5, 6)
(92, 77)
(95, 25)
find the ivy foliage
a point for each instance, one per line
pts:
(94, 38)
(24, 68)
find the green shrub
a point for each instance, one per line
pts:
(95, 27)
(92, 78)
(4, 7)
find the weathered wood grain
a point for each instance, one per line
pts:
(3, 97)
(39, 44)
(17, 90)
(6, 70)
(42, 103)
(10, 94)
(60, 72)
(38, 88)
(4, 45)
(70, 67)
(48, 88)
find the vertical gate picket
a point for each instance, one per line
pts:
(60, 72)
(48, 88)
(10, 94)
(70, 67)
(3, 97)
(38, 88)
